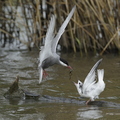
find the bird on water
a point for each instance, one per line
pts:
(48, 55)
(93, 84)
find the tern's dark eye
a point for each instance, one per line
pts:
(80, 85)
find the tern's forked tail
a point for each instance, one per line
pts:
(40, 75)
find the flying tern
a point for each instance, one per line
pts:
(48, 55)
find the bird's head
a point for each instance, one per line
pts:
(79, 84)
(64, 63)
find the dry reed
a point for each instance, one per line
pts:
(94, 27)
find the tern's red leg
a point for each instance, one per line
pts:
(45, 74)
(88, 101)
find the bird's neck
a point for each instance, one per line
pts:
(79, 90)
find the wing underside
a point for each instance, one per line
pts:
(62, 29)
(91, 77)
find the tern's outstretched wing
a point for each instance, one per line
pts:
(46, 50)
(50, 32)
(91, 77)
(61, 30)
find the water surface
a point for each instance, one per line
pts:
(58, 84)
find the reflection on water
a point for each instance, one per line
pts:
(57, 84)
(89, 113)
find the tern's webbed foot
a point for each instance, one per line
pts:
(45, 74)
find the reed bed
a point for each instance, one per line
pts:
(95, 25)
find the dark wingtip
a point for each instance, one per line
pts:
(99, 61)
(96, 65)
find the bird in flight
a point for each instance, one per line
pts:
(48, 55)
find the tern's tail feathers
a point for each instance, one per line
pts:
(100, 74)
(40, 76)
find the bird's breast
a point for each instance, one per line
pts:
(49, 62)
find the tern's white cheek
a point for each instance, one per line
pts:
(63, 64)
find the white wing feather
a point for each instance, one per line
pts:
(91, 76)
(50, 32)
(62, 29)
(50, 41)
(100, 74)
(101, 84)
(94, 89)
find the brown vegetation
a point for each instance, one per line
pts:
(95, 25)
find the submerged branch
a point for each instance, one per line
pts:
(15, 91)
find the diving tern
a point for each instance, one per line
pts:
(48, 55)
(93, 84)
